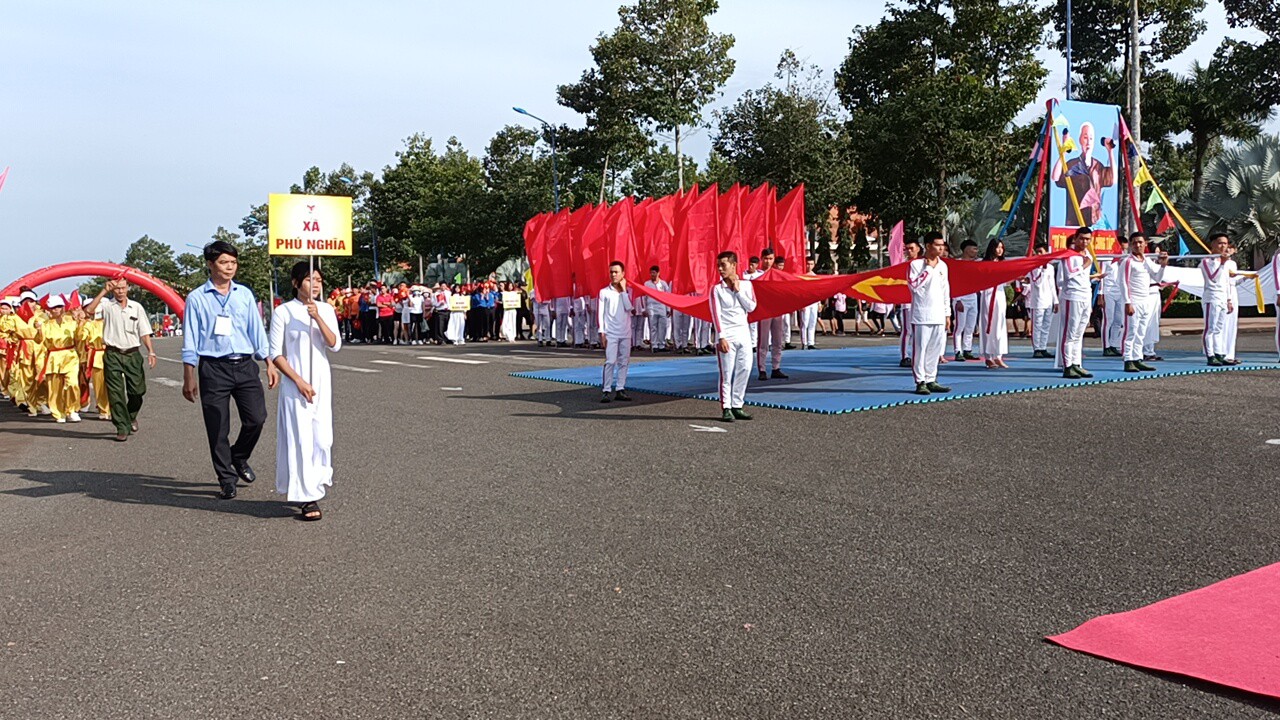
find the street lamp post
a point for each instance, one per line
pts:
(555, 177)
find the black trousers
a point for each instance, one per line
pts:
(386, 326)
(415, 326)
(439, 323)
(369, 325)
(220, 382)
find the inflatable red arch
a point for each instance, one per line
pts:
(156, 286)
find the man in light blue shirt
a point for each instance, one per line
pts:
(222, 338)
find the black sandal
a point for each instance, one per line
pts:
(310, 512)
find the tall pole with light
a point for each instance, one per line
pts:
(1068, 49)
(555, 177)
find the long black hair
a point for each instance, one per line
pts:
(990, 254)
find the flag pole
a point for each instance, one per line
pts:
(311, 297)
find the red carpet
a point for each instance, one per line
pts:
(1227, 633)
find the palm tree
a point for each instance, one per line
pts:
(1241, 194)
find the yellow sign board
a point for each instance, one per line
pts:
(308, 225)
(510, 300)
(459, 303)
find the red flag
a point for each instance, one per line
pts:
(657, 233)
(559, 265)
(729, 211)
(535, 246)
(697, 235)
(620, 238)
(24, 311)
(578, 224)
(789, 238)
(595, 255)
(72, 300)
(757, 222)
(44, 302)
(1166, 224)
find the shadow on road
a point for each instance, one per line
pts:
(135, 489)
(583, 403)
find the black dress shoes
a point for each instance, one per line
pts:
(244, 471)
(228, 490)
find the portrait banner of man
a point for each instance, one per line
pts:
(1085, 173)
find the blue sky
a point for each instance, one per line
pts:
(172, 118)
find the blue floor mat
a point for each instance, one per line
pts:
(855, 379)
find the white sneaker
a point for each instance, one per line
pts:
(44, 410)
(60, 421)
(74, 417)
(104, 416)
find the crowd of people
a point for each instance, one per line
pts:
(439, 314)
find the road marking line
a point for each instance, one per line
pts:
(395, 362)
(167, 382)
(451, 389)
(354, 369)
(707, 428)
(1274, 441)
(179, 362)
(460, 361)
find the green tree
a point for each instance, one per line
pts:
(611, 141)
(432, 204)
(933, 90)
(1100, 33)
(790, 134)
(1254, 68)
(152, 257)
(1241, 194)
(1210, 106)
(657, 173)
(517, 172)
(665, 64)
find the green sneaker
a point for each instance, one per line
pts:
(959, 357)
(1071, 373)
(1216, 361)
(969, 356)
(727, 416)
(1143, 366)
(923, 389)
(741, 414)
(1130, 366)
(935, 387)
(1082, 372)
(904, 362)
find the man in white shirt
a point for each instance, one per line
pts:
(614, 326)
(1112, 308)
(541, 320)
(732, 300)
(1042, 297)
(1136, 276)
(771, 336)
(753, 272)
(659, 314)
(930, 286)
(1074, 281)
(809, 313)
(965, 320)
(1216, 300)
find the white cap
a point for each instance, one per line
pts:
(10, 300)
(55, 301)
(28, 295)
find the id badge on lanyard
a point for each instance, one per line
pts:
(222, 323)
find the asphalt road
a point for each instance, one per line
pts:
(496, 547)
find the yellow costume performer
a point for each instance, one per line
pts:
(91, 346)
(28, 352)
(60, 370)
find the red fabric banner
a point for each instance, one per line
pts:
(697, 237)
(559, 266)
(779, 293)
(595, 254)
(757, 222)
(535, 246)
(620, 238)
(788, 229)
(729, 211)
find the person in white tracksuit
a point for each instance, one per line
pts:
(541, 320)
(613, 327)
(680, 324)
(809, 314)
(562, 320)
(965, 320)
(1074, 281)
(930, 285)
(732, 300)
(1042, 297)
(1154, 302)
(770, 336)
(580, 317)
(639, 318)
(1136, 276)
(659, 315)
(1216, 301)
(1233, 320)
(1112, 308)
